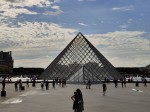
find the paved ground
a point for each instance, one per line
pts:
(129, 99)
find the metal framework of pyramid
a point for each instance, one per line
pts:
(80, 61)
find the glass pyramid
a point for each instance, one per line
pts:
(80, 61)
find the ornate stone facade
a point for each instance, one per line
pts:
(6, 62)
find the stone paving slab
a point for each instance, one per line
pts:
(129, 99)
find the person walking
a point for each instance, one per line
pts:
(86, 82)
(53, 83)
(47, 85)
(3, 84)
(104, 88)
(89, 84)
(116, 83)
(42, 85)
(27, 83)
(122, 82)
(16, 85)
(145, 82)
(20, 84)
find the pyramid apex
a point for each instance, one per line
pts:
(79, 33)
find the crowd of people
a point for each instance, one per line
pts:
(78, 102)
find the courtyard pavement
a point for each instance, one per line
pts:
(33, 99)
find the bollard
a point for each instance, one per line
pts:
(22, 88)
(137, 84)
(3, 93)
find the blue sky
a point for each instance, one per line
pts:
(36, 31)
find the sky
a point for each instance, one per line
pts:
(36, 31)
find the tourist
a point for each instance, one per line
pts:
(124, 82)
(59, 81)
(3, 84)
(145, 82)
(16, 85)
(53, 83)
(104, 88)
(105, 80)
(137, 84)
(56, 80)
(75, 102)
(80, 101)
(62, 83)
(20, 84)
(116, 83)
(89, 84)
(42, 85)
(33, 82)
(27, 83)
(65, 82)
(86, 82)
(47, 84)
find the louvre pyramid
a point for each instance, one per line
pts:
(80, 61)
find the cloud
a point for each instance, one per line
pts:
(129, 61)
(53, 13)
(123, 26)
(42, 62)
(12, 8)
(124, 48)
(55, 7)
(27, 3)
(13, 12)
(82, 24)
(35, 34)
(37, 44)
(122, 39)
(86, 0)
(126, 8)
(130, 20)
(32, 43)
(94, 24)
